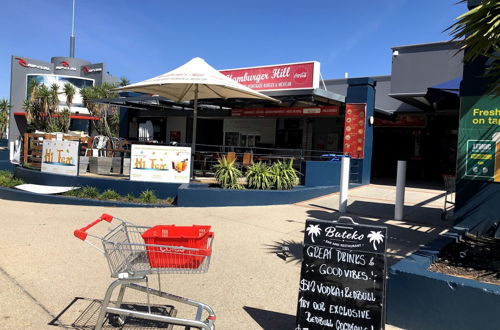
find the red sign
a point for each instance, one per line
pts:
(22, 62)
(88, 70)
(277, 77)
(286, 112)
(354, 130)
(407, 120)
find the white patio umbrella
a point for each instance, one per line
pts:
(193, 81)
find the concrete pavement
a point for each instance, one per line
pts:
(43, 268)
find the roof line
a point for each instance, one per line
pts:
(428, 44)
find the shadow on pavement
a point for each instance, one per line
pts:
(404, 237)
(82, 313)
(289, 251)
(269, 320)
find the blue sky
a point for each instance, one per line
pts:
(142, 39)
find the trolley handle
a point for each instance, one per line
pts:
(82, 232)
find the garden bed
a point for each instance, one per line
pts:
(471, 257)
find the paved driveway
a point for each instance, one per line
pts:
(43, 268)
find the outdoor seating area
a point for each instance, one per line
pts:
(104, 156)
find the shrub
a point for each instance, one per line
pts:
(110, 194)
(284, 176)
(149, 196)
(74, 193)
(259, 176)
(227, 174)
(89, 192)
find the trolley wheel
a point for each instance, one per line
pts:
(116, 320)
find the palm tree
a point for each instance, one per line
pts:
(478, 31)
(376, 237)
(123, 82)
(313, 231)
(4, 116)
(69, 91)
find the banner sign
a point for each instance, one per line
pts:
(342, 279)
(287, 112)
(479, 142)
(354, 130)
(408, 120)
(60, 157)
(277, 77)
(160, 163)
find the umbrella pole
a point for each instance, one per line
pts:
(193, 140)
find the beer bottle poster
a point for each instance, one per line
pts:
(342, 280)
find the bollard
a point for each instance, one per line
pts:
(400, 190)
(344, 183)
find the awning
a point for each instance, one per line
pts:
(445, 95)
(450, 86)
(71, 116)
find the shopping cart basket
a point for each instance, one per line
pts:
(134, 252)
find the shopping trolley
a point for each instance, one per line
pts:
(134, 252)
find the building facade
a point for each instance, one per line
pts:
(60, 70)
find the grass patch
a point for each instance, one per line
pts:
(8, 180)
(147, 196)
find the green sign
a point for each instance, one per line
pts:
(480, 162)
(479, 138)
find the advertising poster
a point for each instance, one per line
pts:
(354, 130)
(160, 163)
(60, 157)
(49, 79)
(479, 143)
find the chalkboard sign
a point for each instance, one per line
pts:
(342, 280)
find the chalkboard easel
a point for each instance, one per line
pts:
(342, 280)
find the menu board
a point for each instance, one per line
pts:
(354, 130)
(342, 280)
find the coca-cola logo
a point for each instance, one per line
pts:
(22, 62)
(64, 64)
(300, 75)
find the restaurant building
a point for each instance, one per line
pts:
(415, 116)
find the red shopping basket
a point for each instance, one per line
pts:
(196, 237)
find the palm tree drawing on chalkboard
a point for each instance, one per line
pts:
(313, 231)
(375, 237)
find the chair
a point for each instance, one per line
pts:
(247, 159)
(449, 196)
(231, 156)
